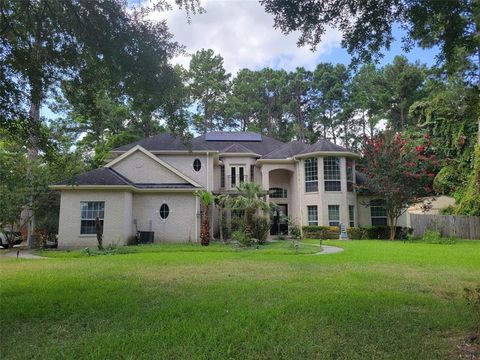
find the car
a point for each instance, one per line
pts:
(17, 238)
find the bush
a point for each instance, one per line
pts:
(434, 237)
(321, 232)
(260, 228)
(242, 238)
(449, 210)
(447, 180)
(383, 232)
(356, 233)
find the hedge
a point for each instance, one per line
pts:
(321, 232)
(377, 232)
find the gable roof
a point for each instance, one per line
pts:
(236, 148)
(154, 158)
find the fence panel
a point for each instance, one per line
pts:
(463, 227)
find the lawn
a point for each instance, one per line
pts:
(375, 300)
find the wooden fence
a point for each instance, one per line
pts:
(462, 227)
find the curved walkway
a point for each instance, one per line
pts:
(327, 249)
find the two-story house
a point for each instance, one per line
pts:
(149, 185)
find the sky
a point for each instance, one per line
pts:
(243, 33)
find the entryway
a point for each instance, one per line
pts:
(278, 220)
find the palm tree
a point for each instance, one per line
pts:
(249, 199)
(207, 199)
(222, 201)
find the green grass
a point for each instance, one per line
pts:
(375, 300)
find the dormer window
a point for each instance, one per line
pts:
(197, 164)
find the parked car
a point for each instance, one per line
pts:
(17, 238)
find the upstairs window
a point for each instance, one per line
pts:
(89, 211)
(277, 193)
(312, 212)
(333, 215)
(350, 179)
(222, 176)
(197, 164)
(378, 212)
(311, 175)
(331, 170)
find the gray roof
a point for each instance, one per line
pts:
(169, 142)
(324, 145)
(287, 150)
(236, 148)
(108, 176)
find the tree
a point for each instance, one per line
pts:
(330, 85)
(367, 26)
(401, 85)
(222, 201)
(207, 199)
(300, 87)
(399, 168)
(244, 102)
(208, 83)
(249, 199)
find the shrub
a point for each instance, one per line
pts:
(383, 232)
(321, 232)
(242, 238)
(434, 237)
(449, 210)
(356, 233)
(260, 228)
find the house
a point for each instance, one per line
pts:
(149, 185)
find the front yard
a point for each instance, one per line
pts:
(375, 300)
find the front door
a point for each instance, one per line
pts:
(278, 220)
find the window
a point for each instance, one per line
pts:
(333, 215)
(351, 215)
(197, 164)
(252, 173)
(378, 212)
(89, 211)
(222, 176)
(312, 215)
(164, 211)
(350, 180)
(277, 193)
(331, 170)
(311, 175)
(233, 176)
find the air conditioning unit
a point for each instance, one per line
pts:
(145, 237)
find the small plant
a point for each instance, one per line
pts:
(260, 228)
(242, 238)
(434, 237)
(295, 233)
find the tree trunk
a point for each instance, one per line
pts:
(393, 226)
(221, 224)
(205, 229)
(248, 222)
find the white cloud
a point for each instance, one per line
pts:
(244, 35)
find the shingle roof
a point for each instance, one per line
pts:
(102, 176)
(324, 145)
(236, 148)
(107, 176)
(169, 142)
(287, 150)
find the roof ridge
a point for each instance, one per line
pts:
(120, 176)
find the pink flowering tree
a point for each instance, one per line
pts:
(399, 168)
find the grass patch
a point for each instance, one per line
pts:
(376, 299)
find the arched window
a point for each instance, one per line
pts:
(277, 193)
(164, 211)
(197, 164)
